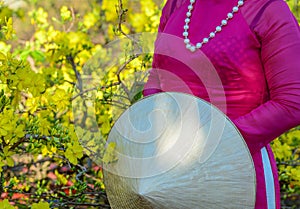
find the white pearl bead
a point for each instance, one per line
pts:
(218, 28)
(190, 7)
(224, 22)
(235, 9)
(193, 48)
(186, 41)
(198, 45)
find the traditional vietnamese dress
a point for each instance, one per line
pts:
(250, 70)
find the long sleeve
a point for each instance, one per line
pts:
(152, 86)
(279, 35)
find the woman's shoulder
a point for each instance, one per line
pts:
(257, 11)
(169, 7)
(172, 5)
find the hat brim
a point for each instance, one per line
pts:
(174, 150)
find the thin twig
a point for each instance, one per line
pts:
(73, 20)
(292, 163)
(87, 204)
(121, 16)
(93, 89)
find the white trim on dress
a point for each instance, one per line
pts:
(269, 179)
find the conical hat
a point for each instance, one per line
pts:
(176, 151)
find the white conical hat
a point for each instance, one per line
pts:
(176, 151)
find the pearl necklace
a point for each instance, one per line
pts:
(218, 29)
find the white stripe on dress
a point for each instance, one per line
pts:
(269, 179)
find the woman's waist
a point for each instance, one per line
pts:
(233, 102)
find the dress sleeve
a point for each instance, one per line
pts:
(152, 86)
(279, 34)
(168, 9)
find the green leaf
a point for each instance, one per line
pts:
(2, 57)
(40, 205)
(105, 127)
(38, 55)
(6, 205)
(25, 54)
(10, 162)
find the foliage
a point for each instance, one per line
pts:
(294, 6)
(287, 153)
(43, 163)
(51, 86)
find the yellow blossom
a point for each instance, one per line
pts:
(74, 152)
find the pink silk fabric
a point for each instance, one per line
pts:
(250, 70)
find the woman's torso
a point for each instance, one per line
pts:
(227, 71)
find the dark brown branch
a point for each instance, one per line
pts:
(1, 183)
(71, 60)
(292, 163)
(93, 89)
(121, 19)
(30, 163)
(87, 204)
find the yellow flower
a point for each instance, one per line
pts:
(89, 20)
(295, 174)
(32, 104)
(61, 99)
(44, 126)
(109, 6)
(9, 127)
(37, 85)
(22, 79)
(8, 29)
(65, 13)
(110, 155)
(61, 178)
(19, 131)
(39, 17)
(74, 152)
(7, 123)
(45, 151)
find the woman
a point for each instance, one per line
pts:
(254, 47)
